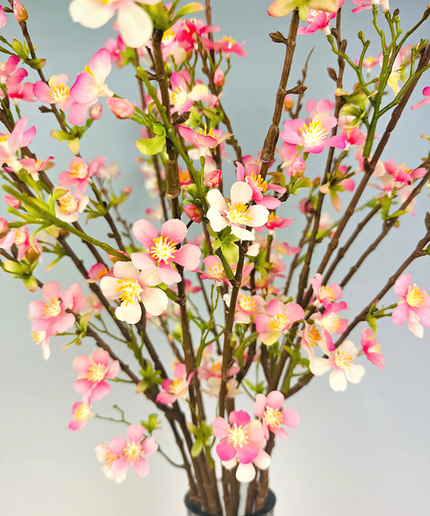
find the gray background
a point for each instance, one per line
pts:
(365, 451)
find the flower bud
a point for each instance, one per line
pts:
(127, 190)
(4, 228)
(64, 233)
(288, 103)
(96, 112)
(297, 167)
(212, 101)
(19, 12)
(213, 179)
(195, 213)
(12, 202)
(219, 78)
(32, 254)
(121, 108)
(30, 283)
(13, 267)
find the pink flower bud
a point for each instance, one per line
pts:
(127, 190)
(96, 112)
(19, 12)
(4, 228)
(213, 179)
(121, 108)
(297, 167)
(288, 103)
(212, 101)
(305, 206)
(219, 79)
(12, 202)
(32, 254)
(195, 213)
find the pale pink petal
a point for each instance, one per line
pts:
(263, 460)
(240, 193)
(145, 232)
(175, 230)
(130, 313)
(167, 274)
(319, 366)
(134, 24)
(275, 307)
(101, 65)
(188, 256)
(109, 287)
(149, 446)
(117, 445)
(101, 390)
(142, 261)
(82, 364)
(82, 385)
(42, 92)
(85, 90)
(220, 427)
(239, 417)
(337, 380)
(400, 314)
(245, 472)
(51, 289)
(125, 270)
(225, 450)
(246, 453)
(275, 399)
(101, 357)
(260, 405)
(120, 466)
(113, 370)
(135, 433)
(402, 285)
(154, 300)
(141, 467)
(291, 418)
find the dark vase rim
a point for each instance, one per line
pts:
(268, 506)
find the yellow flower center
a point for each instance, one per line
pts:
(4, 137)
(216, 368)
(313, 336)
(247, 303)
(129, 290)
(278, 323)
(415, 297)
(272, 217)
(237, 436)
(375, 349)
(52, 308)
(109, 458)
(59, 93)
(238, 214)
(133, 451)
(83, 412)
(405, 169)
(97, 373)
(163, 249)
(79, 171)
(178, 97)
(342, 359)
(206, 133)
(102, 273)
(168, 37)
(331, 323)
(68, 203)
(20, 237)
(39, 336)
(325, 292)
(258, 181)
(230, 41)
(177, 386)
(313, 133)
(184, 177)
(216, 270)
(273, 417)
(369, 61)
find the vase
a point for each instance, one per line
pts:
(267, 510)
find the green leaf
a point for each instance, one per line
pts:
(151, 146)
(227, 269)
(19, 49)
(303, 182)
(231, 252)
(197, 448)
(36, 64)
(193, 7)
(152, 424)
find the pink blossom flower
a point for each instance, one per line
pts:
(237, 212)
(42, 337)
(253, 178)
(78, 298)
(269, 410)
(105, 455)
(313, 137)
(55, 92)
(190, 32)
(319, 20)
(213, 179)
(131, 287)
(331, 323)
(219, 79)
(214, 269)
(274, 221)
(132, 452)
(371, 348)
(163, 250)
(11, 143)
(34, 166)
(203, 140)
(181, 96)
(340, 361)
(90, 85)
(81, 411)
(322, 106)
(79, 174)
(426, 93)
(50, 316)
(297, 167)
(367, 4)
(310, 338)
(414, 306)
(214, 387)
(69, 206)
(19, 237)
(93, 372)
(3, 17)
(229, 46)
(121, 108)
(283, 249)
(8, 68)
(325, 294)
(134, 24)
(353, 136)
(279, 318)
(20, 91)
(401, 174)
(241, 441)
(214, 370)
(246, 307)
(177, 388)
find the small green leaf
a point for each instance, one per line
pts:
(197, 448)
(151, 146)
(36, 64)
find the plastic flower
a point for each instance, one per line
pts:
(90, 85)
(132, 452)
(274, 222)
(55, 92)
(414, 306)
(81, 411)
(214, 386)
(203, 140)
(236, 213)
(34, 166)
(253, 178)
(42, 337)
(177, 388)
(20, 91)
(319, 20)
(325, 294)
(331, 323)
(132, 287)
(269, 409)
(426, 93)
(322, 106)
(313, 137)
(367, 4)
(341, 361)
(181, 96)
(246, 307)
(163, 250)
(11, 143)
(134, 24)
(104, 455)
(93, 372)
(52, 312)
(241, 441)
(79, 173)
(69, 206)
(229, 46)
(8, 68)
(277, 321)
(371, 348)
(401, 174)
(284, 7)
